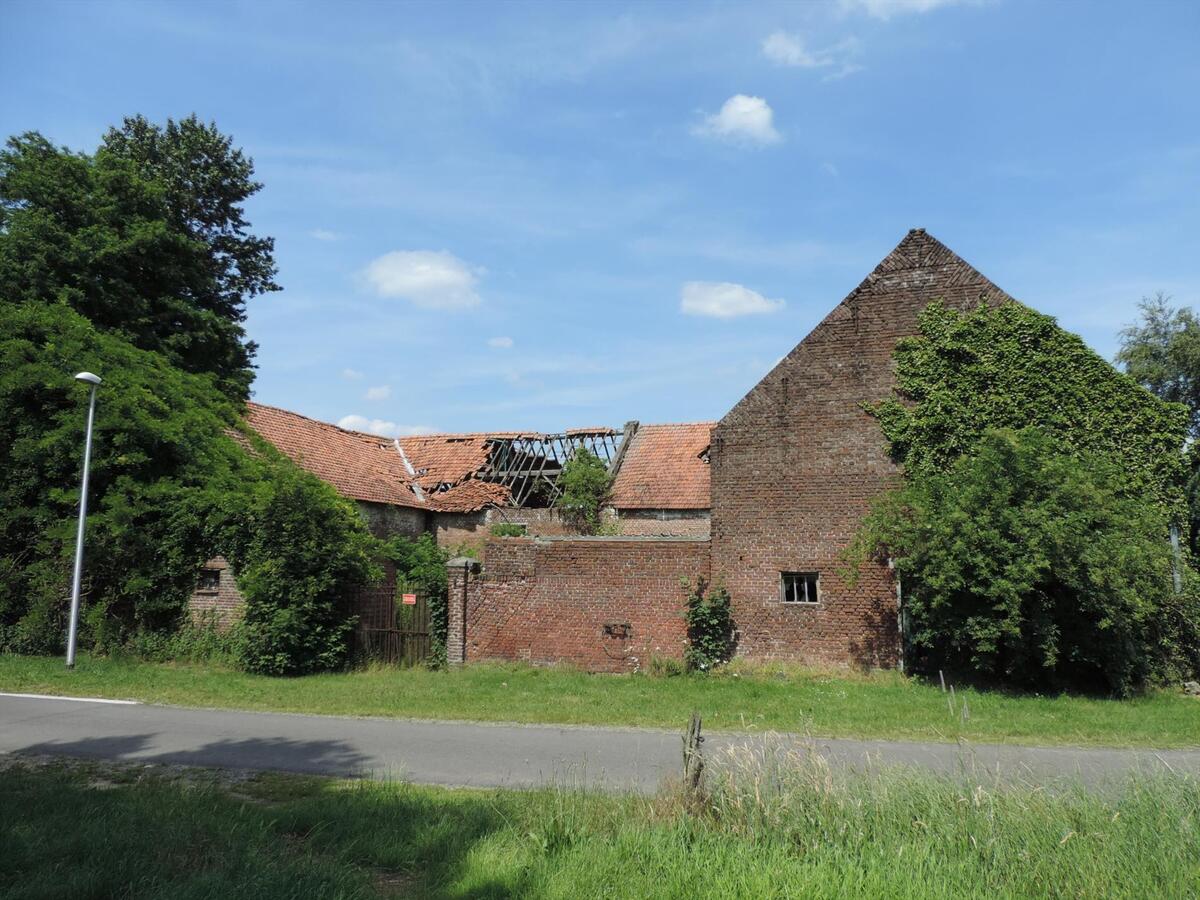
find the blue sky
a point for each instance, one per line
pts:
(497, 216)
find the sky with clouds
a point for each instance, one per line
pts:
(536, 216)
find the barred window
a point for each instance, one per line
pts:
(210, 581)
(799, 587)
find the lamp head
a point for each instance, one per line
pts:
(88, 377)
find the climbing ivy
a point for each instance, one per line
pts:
(709, 618)
(1011, 367)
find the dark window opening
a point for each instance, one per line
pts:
(210, 581)
(799, 587)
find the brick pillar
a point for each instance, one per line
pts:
(461, 573)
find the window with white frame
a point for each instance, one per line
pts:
(799, 587)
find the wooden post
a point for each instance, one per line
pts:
(693, 757)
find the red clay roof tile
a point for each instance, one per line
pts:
(665, 467)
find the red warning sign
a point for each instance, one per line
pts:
(409, 599)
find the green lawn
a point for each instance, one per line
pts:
(87, 830)
(883, 705)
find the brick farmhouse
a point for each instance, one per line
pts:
(763, 501)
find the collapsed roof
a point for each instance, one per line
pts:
(654, 466)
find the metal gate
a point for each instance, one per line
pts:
(406, 639)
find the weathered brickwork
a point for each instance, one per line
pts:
(604, 604)
(796, 463)
(692, 523)
(222, 606)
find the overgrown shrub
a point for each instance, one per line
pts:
(709, 627)
(585, 483)
(421, 567)
(297, 548)
(1027, 565)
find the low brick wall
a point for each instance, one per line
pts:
(603, 604)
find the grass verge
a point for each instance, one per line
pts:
(881, 705)
(789, 828)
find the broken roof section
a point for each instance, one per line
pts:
(655, 466)
(665, 467)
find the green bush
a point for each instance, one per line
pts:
(298, 549)
(709, 620)
(1027, 565)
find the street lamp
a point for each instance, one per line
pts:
(94, 381)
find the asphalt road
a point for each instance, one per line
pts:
(486, 755)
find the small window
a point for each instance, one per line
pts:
(799, 587)
(210, 581)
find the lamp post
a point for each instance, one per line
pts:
(94, 381)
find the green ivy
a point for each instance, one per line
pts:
(1011, 367)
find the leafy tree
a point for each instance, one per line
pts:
(146, 237)
(585, 483)
(1029, 565)
(1162, 353)
(172, 485)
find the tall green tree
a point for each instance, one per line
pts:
(1162, 352)
(146, 237)
(585, 483)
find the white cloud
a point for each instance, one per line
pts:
(382, 392)
(724, 300)
(785, 49)
(427, 278)
(885, 9)
(383, 428)
(742, 120)
(830, 169)
(351, 374)
(322, 234)
(503, 343)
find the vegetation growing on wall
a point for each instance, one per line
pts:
(1031, 531)
(585, 483)
(709, 620)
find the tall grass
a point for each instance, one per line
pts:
(774, 823)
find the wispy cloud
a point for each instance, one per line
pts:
(502, 343)
(382, 427)
(790, 50)
(742, 120)
(427, 278)
(886, 9)
(323, 234)
(724, 300)
(380, 392)
(351, 374)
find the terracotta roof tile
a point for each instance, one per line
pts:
(665, 467)
(359, 466)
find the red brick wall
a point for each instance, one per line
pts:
(224, 606)
(677, 522)
(549, 600)
(797, 461)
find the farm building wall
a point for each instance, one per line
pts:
(603, 604)
(796, 463)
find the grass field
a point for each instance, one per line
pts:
(86, 830)
(881, 705)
